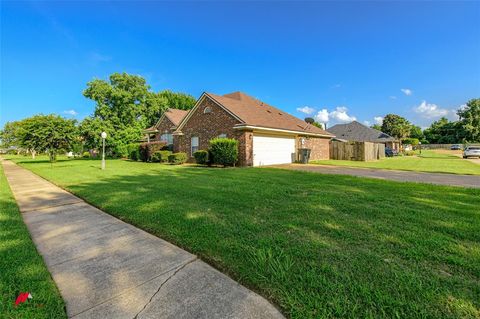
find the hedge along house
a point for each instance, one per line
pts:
(266, 134)
(165, 126)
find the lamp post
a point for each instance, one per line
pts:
(104, 136)
(420, 145)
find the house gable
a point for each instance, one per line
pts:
(165, 125)
(199, 103)
(207, 124)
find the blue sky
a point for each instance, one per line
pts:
(335, 61)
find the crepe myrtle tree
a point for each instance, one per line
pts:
(47, 133)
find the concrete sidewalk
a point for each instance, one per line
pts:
(393, 175)
(105, 268)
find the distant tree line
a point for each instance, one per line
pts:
(443, 131)
(124, 106)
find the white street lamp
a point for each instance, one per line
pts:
(104, 136)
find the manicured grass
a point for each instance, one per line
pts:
(428, 161)
(21, 267)
(319, 246)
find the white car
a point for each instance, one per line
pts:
(471, 151)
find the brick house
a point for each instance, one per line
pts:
(266, 134)
(165, 126)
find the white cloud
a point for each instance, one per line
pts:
(306, 110)
(407, 91)
(322, 116)
(367, 123)
(431, 111)
(340, 115)
(71, 112)
(378, 120)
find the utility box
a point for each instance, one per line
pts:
(304, 155)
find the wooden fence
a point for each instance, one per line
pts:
(356, 151)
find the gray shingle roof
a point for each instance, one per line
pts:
(358, 132)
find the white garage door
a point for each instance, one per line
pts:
(269, 150)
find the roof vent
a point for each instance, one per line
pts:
(269, 111)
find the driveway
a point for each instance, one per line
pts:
(399, 176)
(105, 268)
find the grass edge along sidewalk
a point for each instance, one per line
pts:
(22, 269)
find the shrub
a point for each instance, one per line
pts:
(147, 149)
(223, 151)
(120, 151)
(86, 155)
(132, 146)
(409, 153)
(177, 158)
(201, 157)
(164, 155)
(134, 154)
(157, 157)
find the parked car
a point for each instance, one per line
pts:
(471, 151)
(390, 152)
(455, 147)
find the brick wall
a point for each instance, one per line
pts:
(320, 147)
(164, 125)
(210, 125)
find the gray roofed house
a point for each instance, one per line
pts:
(358, 132)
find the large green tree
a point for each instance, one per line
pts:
(416, 132)
(443, 132)
(125, 105)
(47, 133)
(396, 126)
(179, 101)
(470, 121)
(9, 134)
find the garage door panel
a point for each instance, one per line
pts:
(269, 150)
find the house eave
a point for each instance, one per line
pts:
(269, 129)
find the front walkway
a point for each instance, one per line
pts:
(400, 176)
(105, 268)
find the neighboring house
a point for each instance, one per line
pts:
(357, 132)
(266, 134)
(165, 126)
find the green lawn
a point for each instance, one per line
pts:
(318, 246)
(22, 268)
(428, 161)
